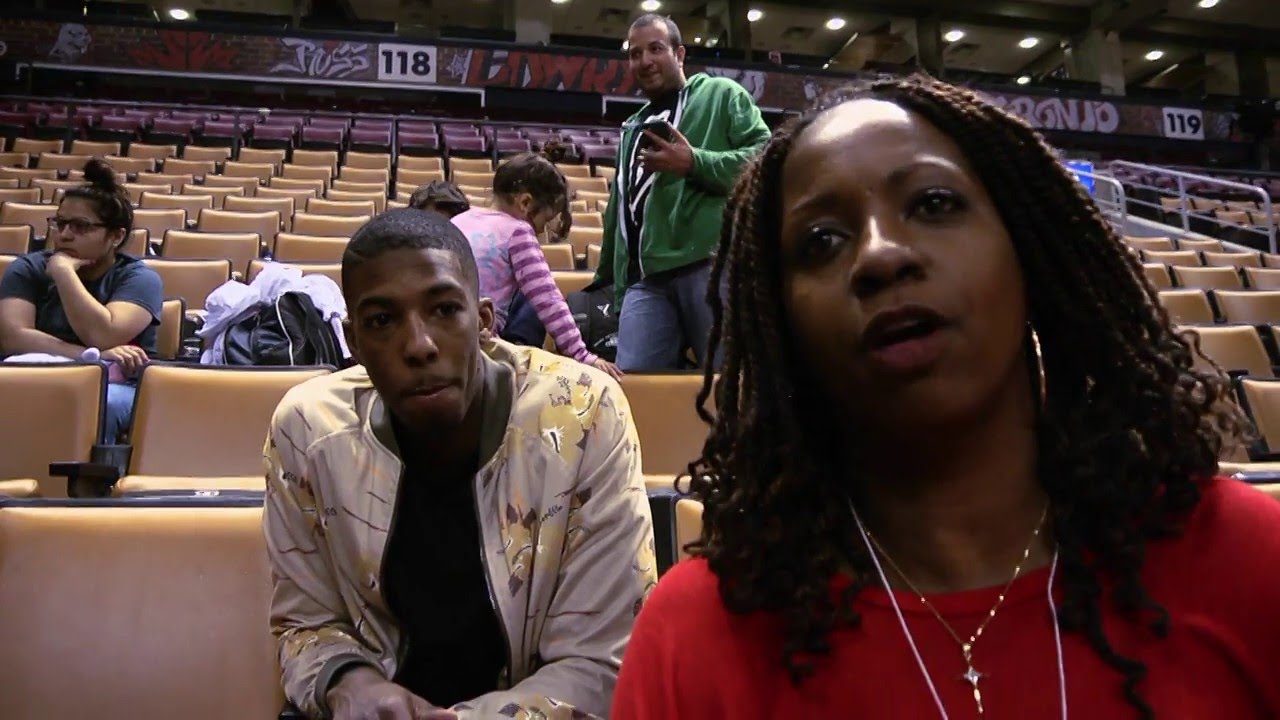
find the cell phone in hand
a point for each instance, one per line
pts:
(661, 128)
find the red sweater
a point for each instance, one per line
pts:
(1220, 581)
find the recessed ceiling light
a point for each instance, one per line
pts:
(1024, 80)
(559, 2)
(1154, 55)
(954, 36)
(754, 15)
(697, 38)
(650, 5)
(1206, 4)
(1027, 43)
(826, 65)
(835, 23)
(179, 14)
(712, 42)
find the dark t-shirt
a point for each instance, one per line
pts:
(435, 585)
(640, 181)
(128, 280)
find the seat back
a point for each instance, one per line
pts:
(250, 185)
(33, 214)
(559, 257)
(292, 247)
(1232, 259)
(207, 421)
(1208, 278)
(430, 164)
(379, 198)
(328, 225)
(219, 194)
(260, 203)
(1200, 245)
(483, 166)
(317, 187)
(159, 221)
(191, 280)
(50, 413)
(688, 525)
(196, 168)
(1256, 307)
(30, 195)
(239, 248)
(169, 334)
(332, 270)
(154, 612)
(569, 282)
(323, 173)
(1233, 348)
(1187, 306)
(1262, 400)
(154, 152)
(15, 239)
(418, 178)
(265, 223)
(1184, 258)
(663, 408)
(319, 206)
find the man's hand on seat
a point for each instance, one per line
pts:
(363, 694)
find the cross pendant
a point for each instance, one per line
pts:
(972, 676)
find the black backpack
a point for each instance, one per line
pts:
(597, 318)
(290, 331)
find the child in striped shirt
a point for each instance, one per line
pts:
(528, 192)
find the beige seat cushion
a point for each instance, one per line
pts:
(165, 483)
(24, 488)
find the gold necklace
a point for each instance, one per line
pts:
(971, 674)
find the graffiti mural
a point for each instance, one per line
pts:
(753, 80)
(72, 43)
(327, 59)
(1061, 113)
(193, 52)
(544, 71)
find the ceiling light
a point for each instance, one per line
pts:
(697, 38)
(713, 41)
(1154, 55)
(1206, 4)
(754, 15)
(826, 65)
(1024, 80)
(625, 44)
(1028, 42)
(954, 36)
(650, 5)
(835, 23)
(179, 14)
(559, 2)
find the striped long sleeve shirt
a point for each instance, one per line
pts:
(510, 263)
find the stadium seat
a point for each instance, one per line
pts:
(663, 407)
(327, 158)
(36, 148)
(379, 198)
(249, 184)
(15, 239)
(317, 187)
(328, 225)
(263, 156)
(28, 195)
(130, 165)
(191, 280)
(173, 313)
(154, 152)
(195, 168)
(688, 525)
(292, 247)
(219, 194)
(191, 204)
(50, 413)
(94, 149)
(266, 223)
(418, 178)
(324, 173)
(365, 175)
(137, 243)
(136, 190)
(332, 270)
(34, 215)
(318, 206)
(1255, 307)
(471, 166)
(1192, 245)
(427, 164)
(157, 222)
(1159, 244)
(238, 247)
(1187, 306)
(175, 181)
(593, 257)
(283, 205)
(1234, 348)
(156, 612)
(559, 257)
(51, 190)
(373, 160)
(1232, 259)
(204, 422)
(571, 281)
(1208, 278)
(24, 176)
(1261, 400)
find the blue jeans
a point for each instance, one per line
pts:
(119, 409)
(523, 326)
(661, 317)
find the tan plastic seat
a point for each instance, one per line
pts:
(169, 335)
(1187, 306)
(283, 205)
(157, 612)
(323, 173)
(1255, 307)
(368, 160)
(578, 171)
(158, 222)
(588, 220)
(396, 205)
(332, 270)
(266, 223)
(328, 225)
(571, 281)
(1233, 348)
(15, 239)
(606, 172)
(593, 257)
(662, 405)
(136, 244)
(418, 178)
(206, 421)
(317, 187)
(50, 413)
(250, 185)
(1263, 279)
(470, 165)
(263, 156)
(292, 247)
(581, 237)
(588, 184)
(365, 175)
(1200, 245)
(191, 204)
(28, 195)
(1208, 278)
(94, 148)
(175, 181)
(410, 162)
(24, 176)
(1184, 258)
(191, 280)
(154, 152)
(194, 168)
(350, 186)
(238, 247)
(379, 198)
(299, 197)
(688, 525)
(35, 215)
(51, 190)
(473, 179)
(219, 194)
(346, 208)
(1232, 259)
(136, 190)
(1262, 401)
(559, 257)
(327, 158)
(14, 159)
(60, 162)
(595, 201)
(130, 165)
(207, 154)
(36, 148)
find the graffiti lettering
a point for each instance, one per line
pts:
(178, 50)
(1062, 114)
(545, 71)
(329, 60)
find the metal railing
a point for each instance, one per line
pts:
(1261, 225)
(1108, 194)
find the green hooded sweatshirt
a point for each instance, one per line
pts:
(683, 215)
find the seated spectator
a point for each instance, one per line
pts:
(81, 298)
(451, 524)
(528, 193)
(442, 196)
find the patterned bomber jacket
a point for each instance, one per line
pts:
(564, 519)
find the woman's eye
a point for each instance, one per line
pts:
(935, 203)
(819, 242)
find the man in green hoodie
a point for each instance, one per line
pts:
(663, 220)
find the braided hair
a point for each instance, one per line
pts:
(1128, 427)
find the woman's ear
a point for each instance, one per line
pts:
(117, 237)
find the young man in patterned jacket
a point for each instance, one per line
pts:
(456, 529)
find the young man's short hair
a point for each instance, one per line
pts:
(409, 229)
(673, 30)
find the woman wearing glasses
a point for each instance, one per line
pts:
(81, 298)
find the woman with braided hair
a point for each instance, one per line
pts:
(961, 465)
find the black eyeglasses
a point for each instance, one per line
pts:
(77, 225)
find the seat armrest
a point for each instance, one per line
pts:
(1263, 477)
(86, 479)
